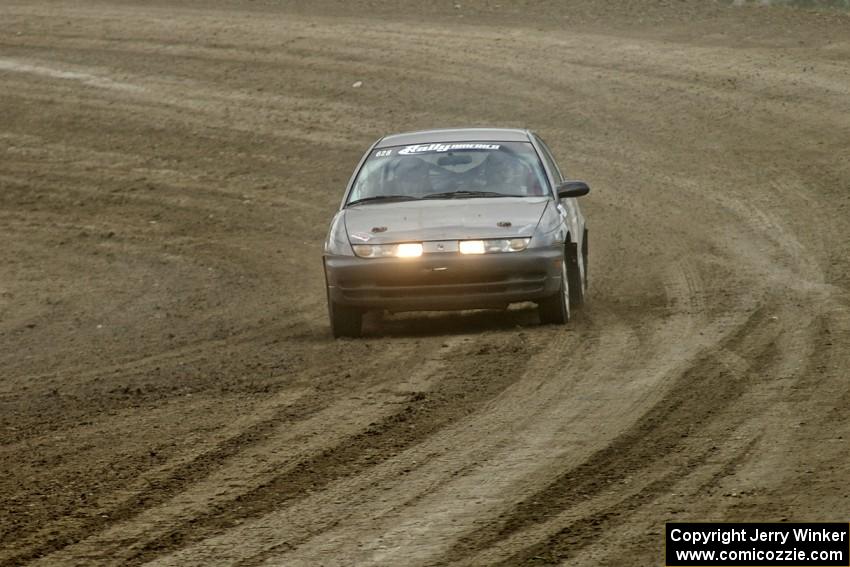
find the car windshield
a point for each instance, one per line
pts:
(451, 170)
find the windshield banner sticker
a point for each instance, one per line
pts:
(424, 148)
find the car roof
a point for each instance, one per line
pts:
(455, 135)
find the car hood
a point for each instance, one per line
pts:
(444, 219)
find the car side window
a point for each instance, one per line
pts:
(550, 161)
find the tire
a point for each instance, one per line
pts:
(585, 249)
(555, 310)
(345, 321)
(574, 275)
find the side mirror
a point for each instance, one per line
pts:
(568, 189)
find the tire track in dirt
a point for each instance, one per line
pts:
(278, 419)
(168, 479)
(699, 393)
(268, 435)
(7, 64)
(426, 411)
(749, 436)
(183, 100)
(432, 492)
(489, 439)
(473, 376)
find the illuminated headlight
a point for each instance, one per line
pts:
(404, 250)
(409, 250)
(472, 247)
(490, 246)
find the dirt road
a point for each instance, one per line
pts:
(169, 390)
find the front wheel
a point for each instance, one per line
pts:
(555, 310)
(346, 321)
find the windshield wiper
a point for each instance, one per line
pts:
(383, 198)
(466, 194)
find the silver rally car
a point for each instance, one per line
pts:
(470, 218)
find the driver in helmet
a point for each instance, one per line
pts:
(504, 173)
(413, 177)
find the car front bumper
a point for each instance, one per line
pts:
(444, 281)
